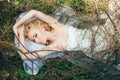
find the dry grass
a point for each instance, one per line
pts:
(54, 69)
(96, 5)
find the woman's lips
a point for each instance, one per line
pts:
(47, 42)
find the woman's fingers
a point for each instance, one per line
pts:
(21, 32)
(15, 31)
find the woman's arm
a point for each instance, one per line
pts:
(34, 13)
(21, 39)
(42, 53)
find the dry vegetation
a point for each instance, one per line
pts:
(55, 69)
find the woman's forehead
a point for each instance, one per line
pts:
(32, 31)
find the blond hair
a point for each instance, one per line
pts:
(35, 25)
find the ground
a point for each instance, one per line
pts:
(10, 62)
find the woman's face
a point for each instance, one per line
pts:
(41, 35)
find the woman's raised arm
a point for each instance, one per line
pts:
(34, 13)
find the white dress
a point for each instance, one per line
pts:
(81, 40)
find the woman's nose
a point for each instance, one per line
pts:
(36, 40)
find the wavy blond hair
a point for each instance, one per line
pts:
(35, 25)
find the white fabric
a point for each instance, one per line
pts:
(80, 39)
(77, 40)
(32, 67)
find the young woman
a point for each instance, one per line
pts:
(32, 66)
(57, 36)
(60, 37)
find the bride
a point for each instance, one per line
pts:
(57, 37)
(60, 37)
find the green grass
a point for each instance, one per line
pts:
(57, 69)
(54, 69)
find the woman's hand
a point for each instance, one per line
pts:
(43, 52)
(15, 29)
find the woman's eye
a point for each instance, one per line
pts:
(28, 27)
(35, 35)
